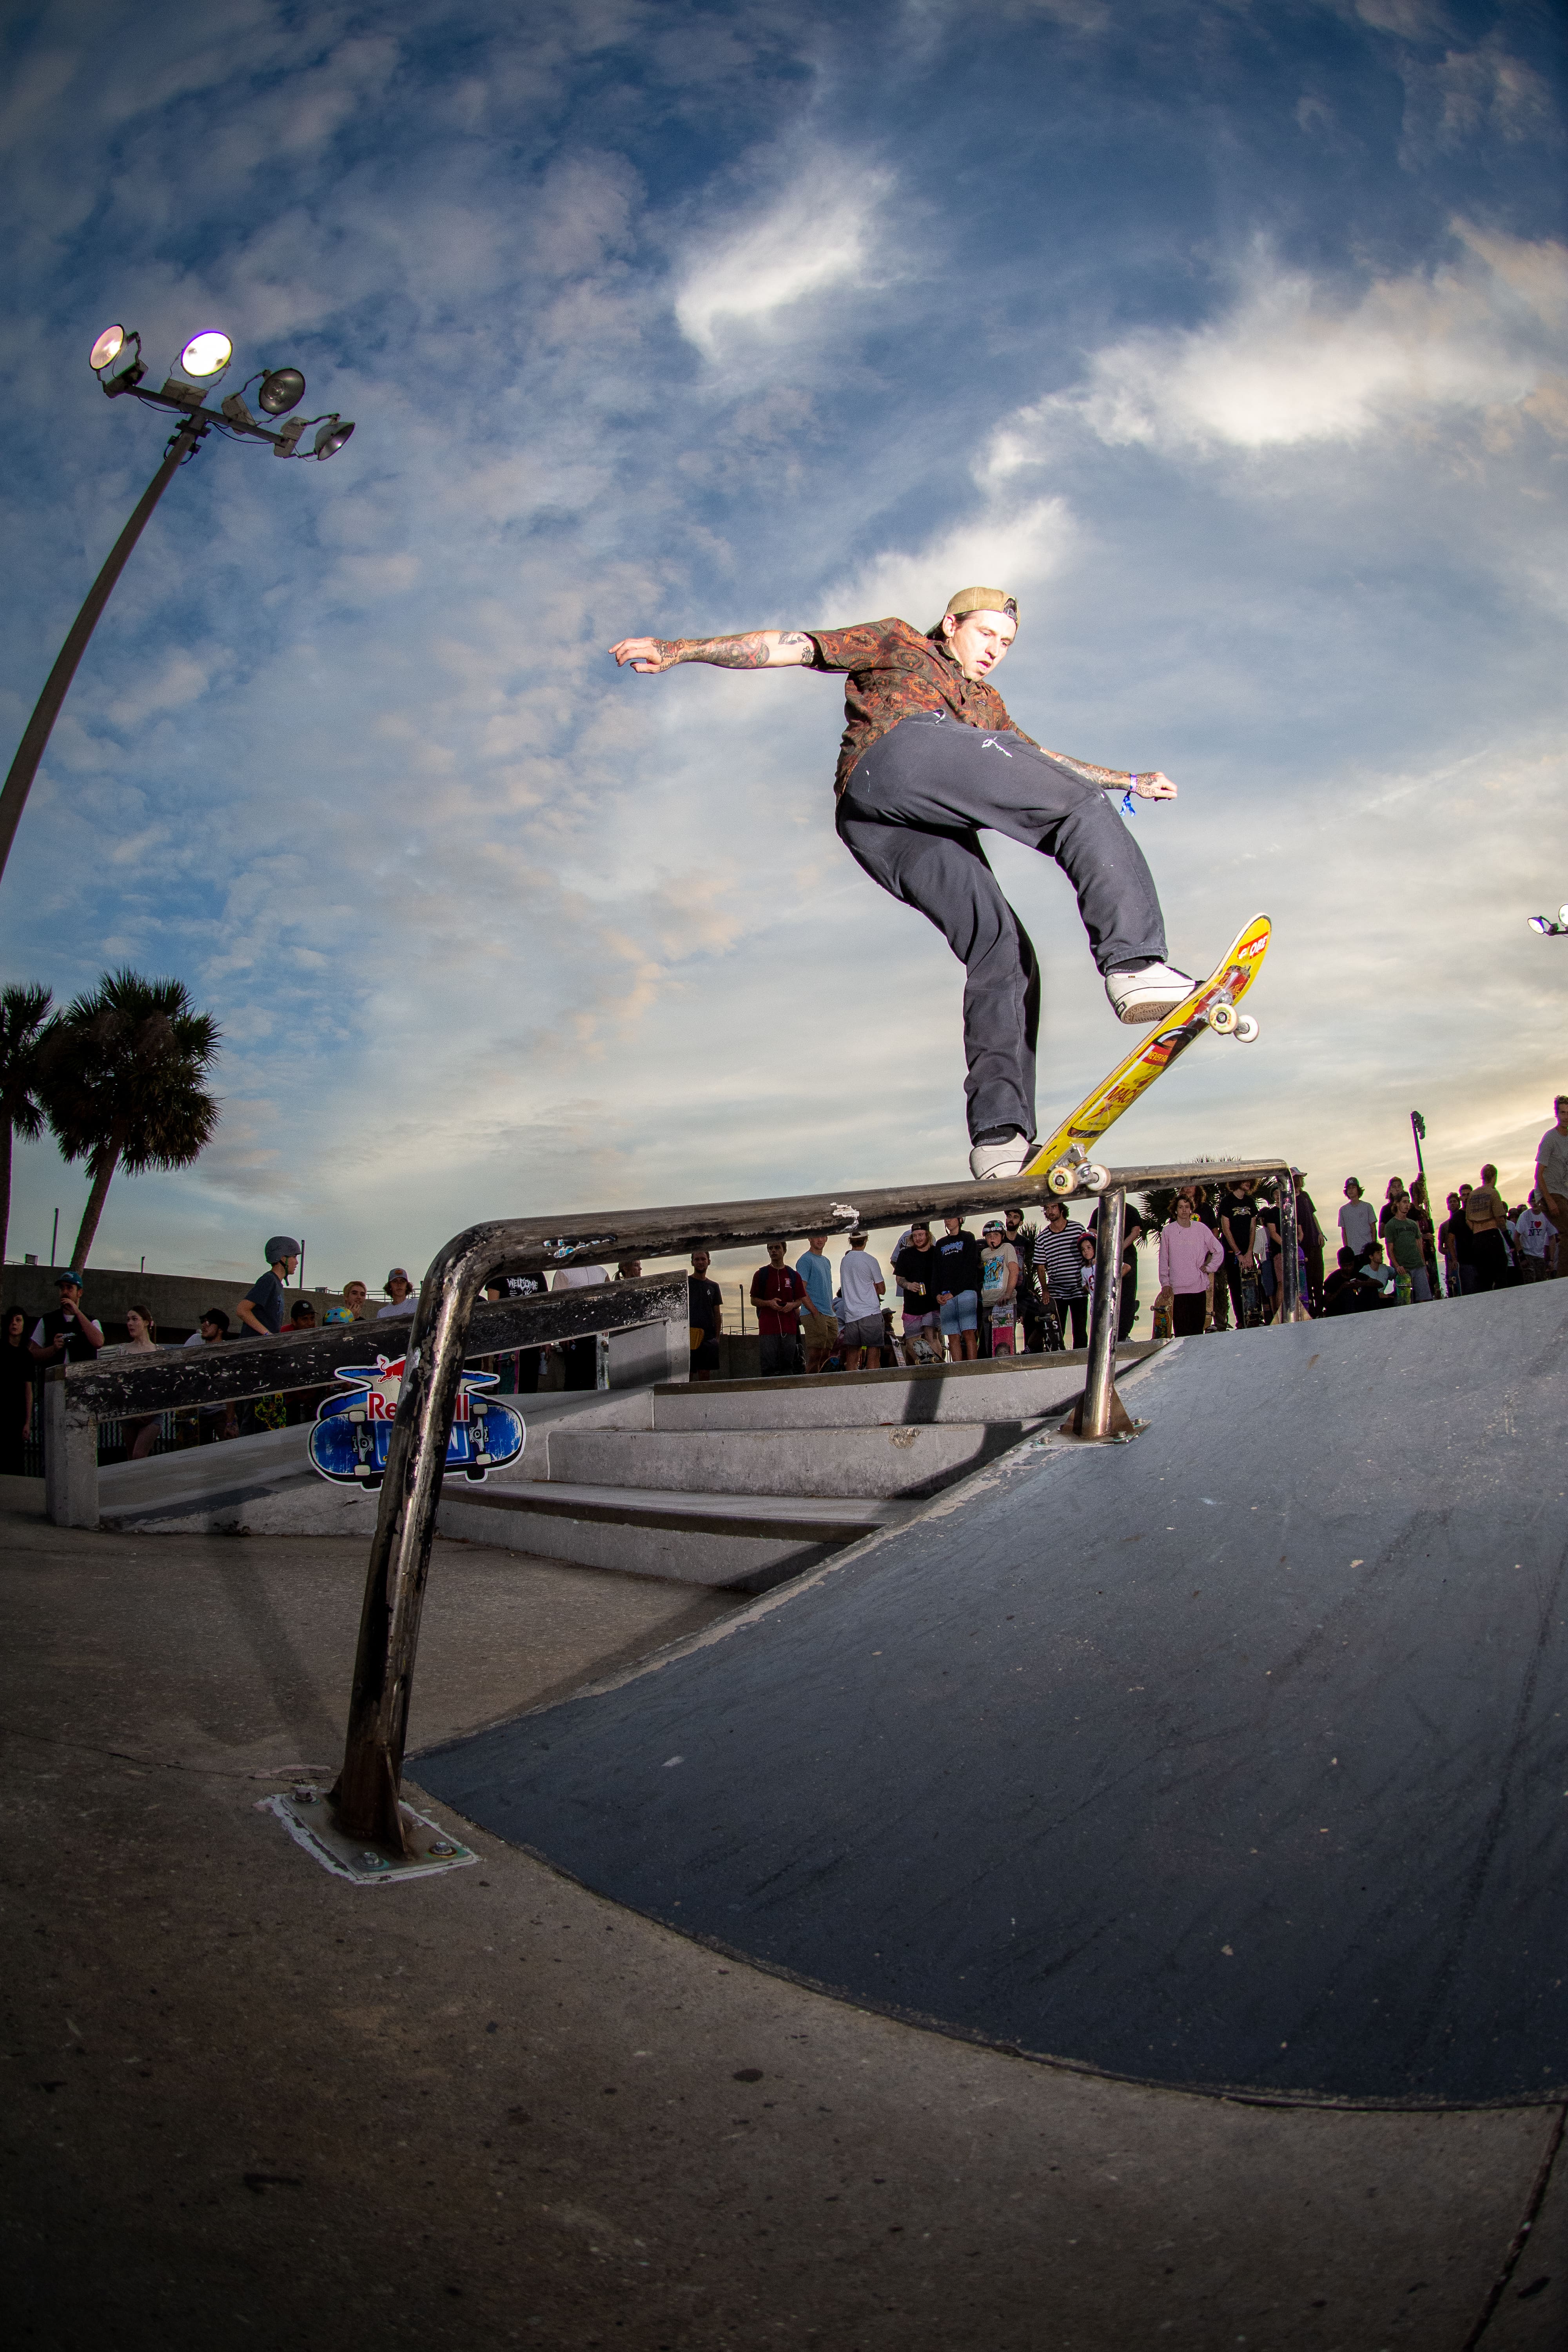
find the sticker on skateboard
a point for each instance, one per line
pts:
(352, 1433)
(1063, 1159)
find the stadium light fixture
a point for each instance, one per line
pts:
(206, 354)
(1551, 929)
(281, 390)
(116, 360)
(332, 437)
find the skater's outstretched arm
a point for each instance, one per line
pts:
(1151, 784)
(759, 649)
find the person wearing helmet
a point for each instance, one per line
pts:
(930, 760)
(264, 1310)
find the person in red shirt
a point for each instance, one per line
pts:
(930, 759)
(777, 1293)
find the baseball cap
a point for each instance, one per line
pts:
(71, 1277)
(282, 1247)
(982, 600)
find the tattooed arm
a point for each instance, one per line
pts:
(760, 649)
(1149, 784)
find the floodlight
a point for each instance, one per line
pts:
(109, 346)
(1541, 922)
(332, 437)
(281, 390)
(206, 354)
(1562, 916)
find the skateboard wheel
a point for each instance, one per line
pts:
(1094, 1179)
(1223, 1019)
(1062, 1180)
(1246, 1029)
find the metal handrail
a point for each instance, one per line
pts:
(366, 1795)
(155, 1379)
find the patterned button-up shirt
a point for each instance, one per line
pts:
(894, 671)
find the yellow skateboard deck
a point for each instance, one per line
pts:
(1062, 1156)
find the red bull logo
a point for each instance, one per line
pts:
(353, 1435)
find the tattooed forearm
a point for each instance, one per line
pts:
(758, 649)
(1109, 777)
(724, 653)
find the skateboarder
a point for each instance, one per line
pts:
(930, 758)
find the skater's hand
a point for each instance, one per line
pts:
(647, 655)
(1154, 786)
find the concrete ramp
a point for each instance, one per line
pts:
(1235, 1757)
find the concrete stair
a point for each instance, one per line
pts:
(739, 1484)
(745, 1483)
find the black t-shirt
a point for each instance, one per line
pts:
(1238, 1207)
(917, 1270)
(79, 1349)
(705, 1303)
(1354, 1296)
(265, 1297)
(17, 1373)
(958, 1267)
(523, 1286)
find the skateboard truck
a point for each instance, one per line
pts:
(1226, 1022)
(1074, 1172)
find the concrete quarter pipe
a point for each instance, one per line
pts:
(1234, 1757)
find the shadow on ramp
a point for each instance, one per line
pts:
(1236, 1757)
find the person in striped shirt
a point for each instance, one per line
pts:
(1060, 1263)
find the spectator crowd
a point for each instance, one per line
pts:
(1022, 1289)
(1015, 1288)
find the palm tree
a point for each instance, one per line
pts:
(122, 1083)
(25, 1026)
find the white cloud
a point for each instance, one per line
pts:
(821, 234)
(1289, 364)
(1004, 546)
(182, 679)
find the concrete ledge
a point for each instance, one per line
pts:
(719, 1540)
(947, 1394)
(894, 1458)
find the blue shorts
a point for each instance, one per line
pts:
(962, 1312)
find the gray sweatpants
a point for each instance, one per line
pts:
(911, 815)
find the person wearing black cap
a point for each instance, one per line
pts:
(264, 1309)
(930, 760)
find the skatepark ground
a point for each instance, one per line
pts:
(514, 2104)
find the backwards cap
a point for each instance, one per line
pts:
(982, 600)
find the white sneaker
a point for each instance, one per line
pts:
(988, 1160)
(1147, 995)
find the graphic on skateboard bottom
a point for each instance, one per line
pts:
(351, 1435)
(1063, 1158)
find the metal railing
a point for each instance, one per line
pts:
(77, 1397)
(366, 1795)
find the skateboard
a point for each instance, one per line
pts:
(1063, 1158)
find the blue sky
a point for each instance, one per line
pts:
(1233, 338)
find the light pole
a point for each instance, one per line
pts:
(121, 369)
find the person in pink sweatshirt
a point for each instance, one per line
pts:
(1189, 1255)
